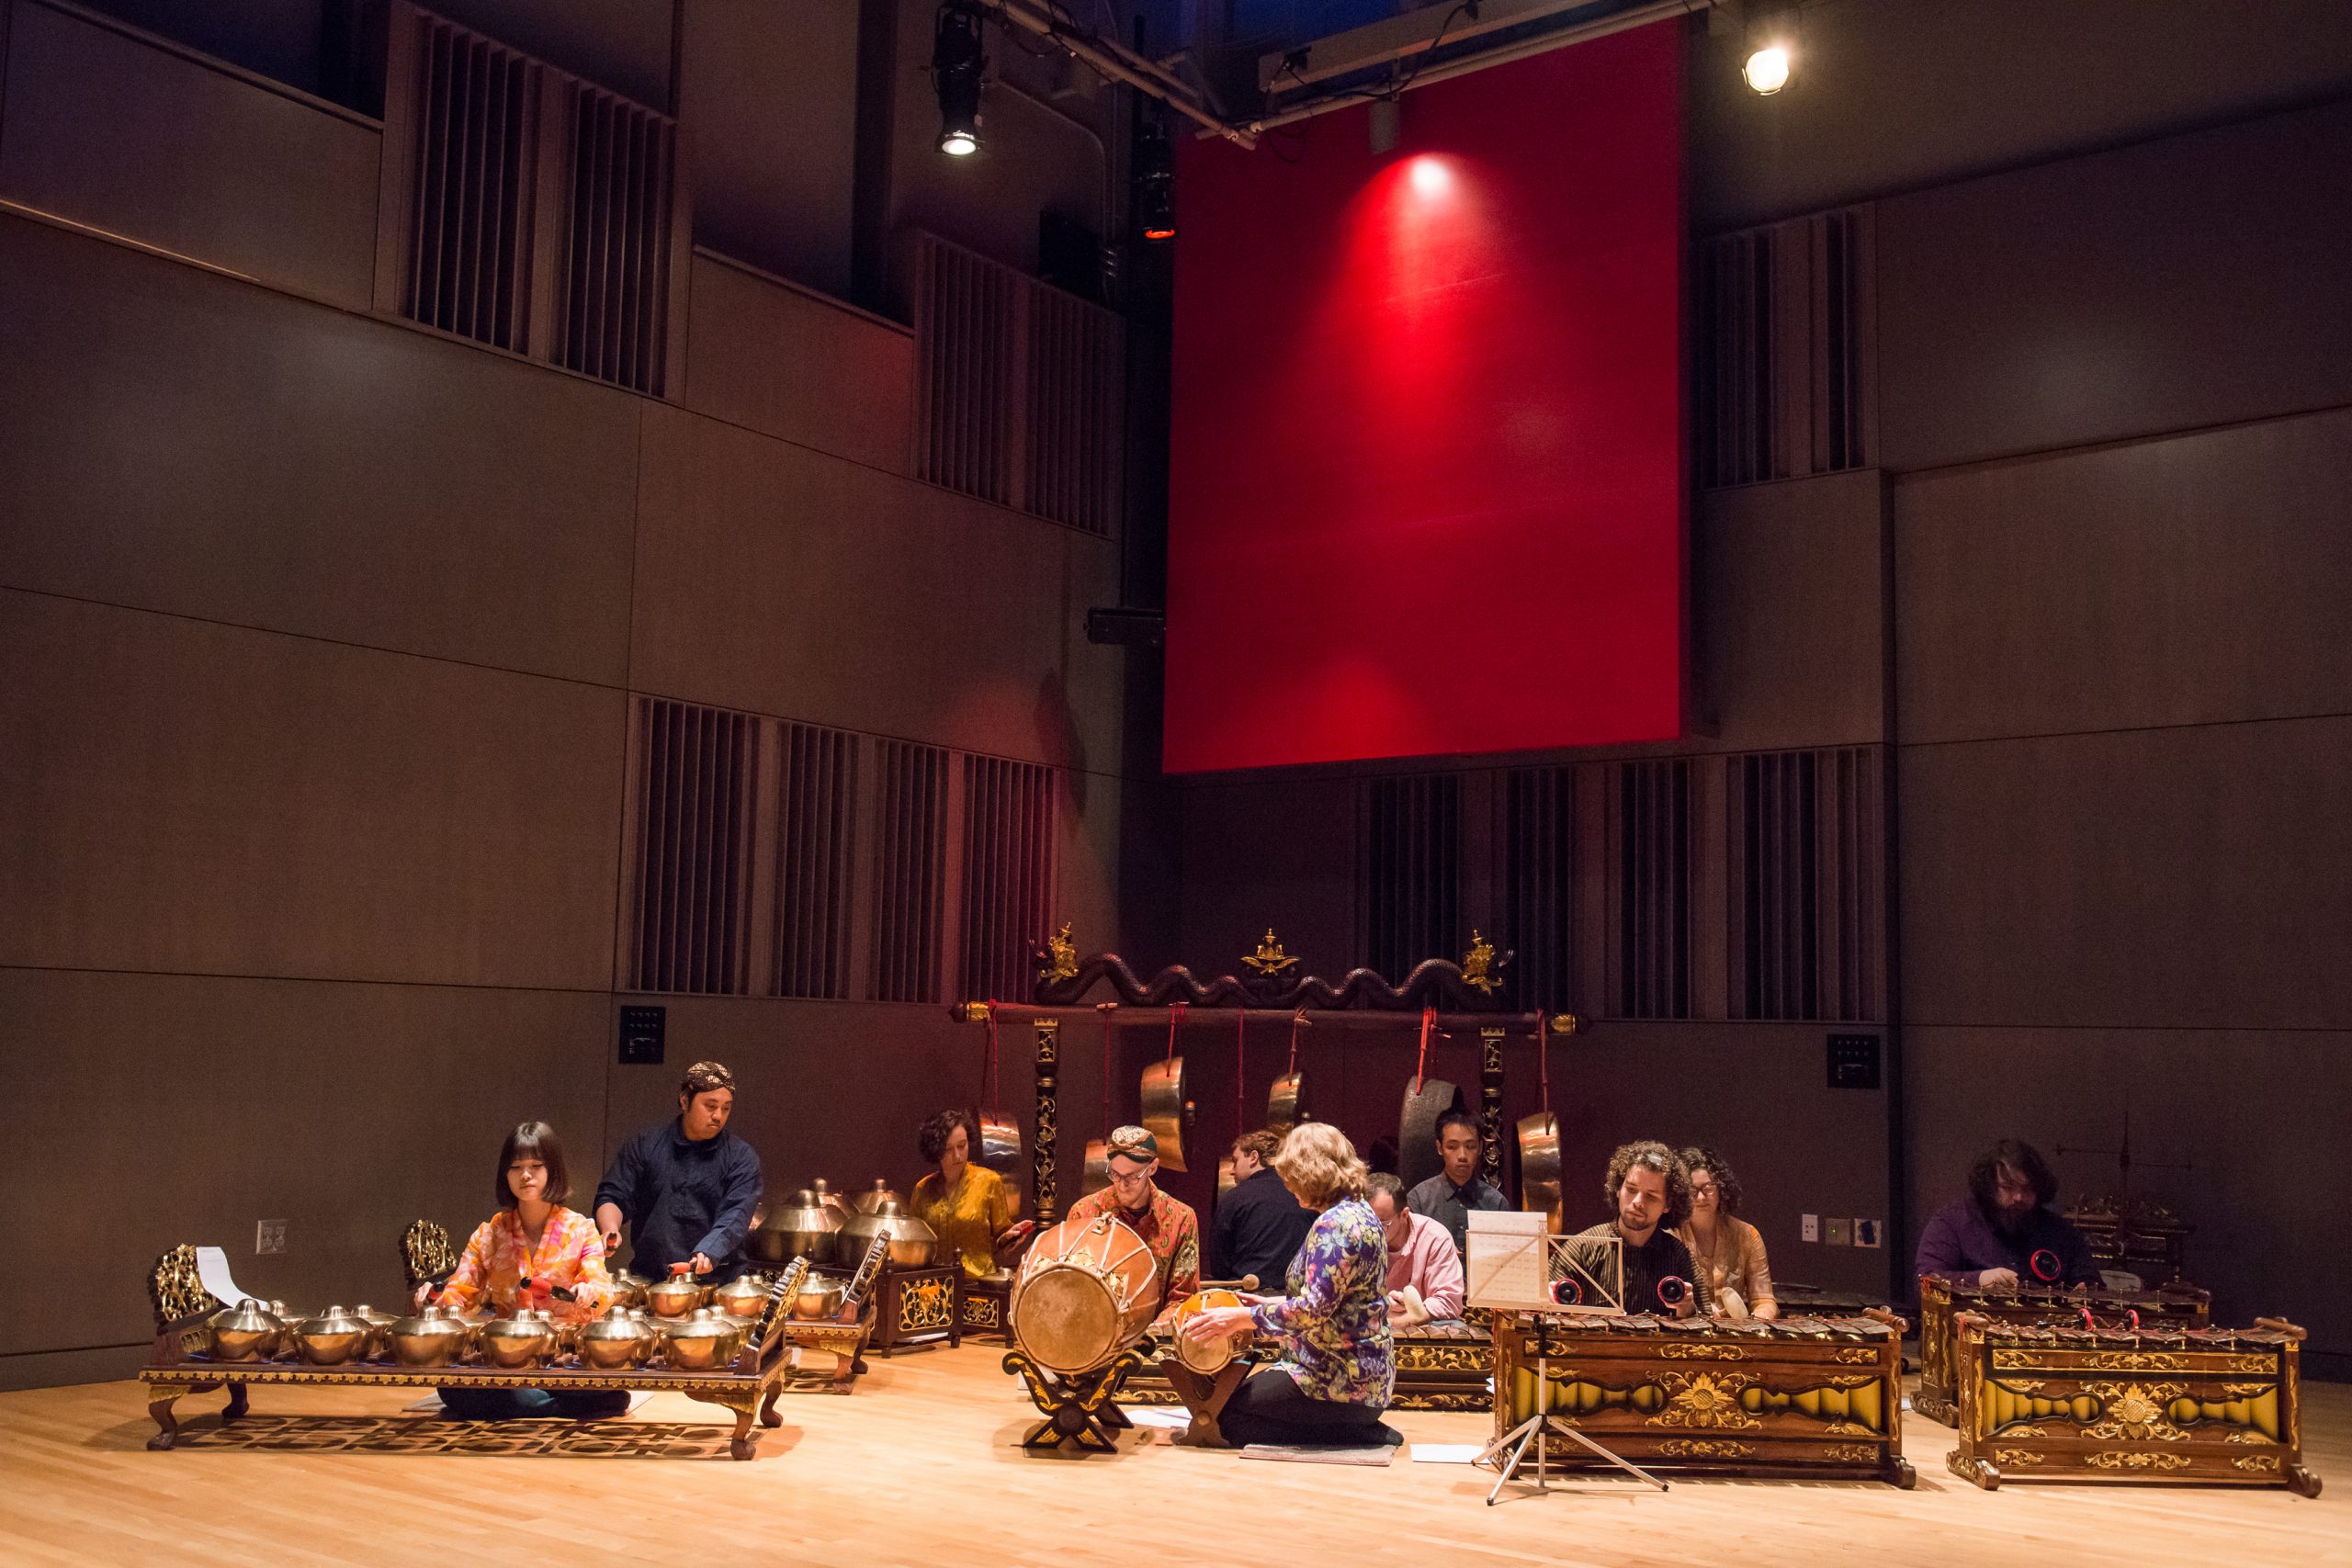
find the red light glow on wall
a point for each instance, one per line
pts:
(1427, 492)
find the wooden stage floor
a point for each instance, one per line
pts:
(922, 1466)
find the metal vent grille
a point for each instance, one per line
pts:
(1788, 318)
(1008, 872)
(475, 116)
(697, 777)
(1539, 883)
(1650, 904)
(615, 316)
(1412, 870)
(965, 342)
(910, 872)
(816, 824)
(1076, 385)
(1806, 847)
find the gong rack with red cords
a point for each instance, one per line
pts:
(1446, 999)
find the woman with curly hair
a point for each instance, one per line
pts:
(968, 1205)
(1728, 1251)
(1334, 1371)
(1649, 1191)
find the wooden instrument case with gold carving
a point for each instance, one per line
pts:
(2198, 1406)
(1941, 1301)
(1439, 1366)
(1801, 1397)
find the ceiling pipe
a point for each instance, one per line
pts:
(1120, 64)
(1639, 16)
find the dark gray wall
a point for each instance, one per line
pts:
(320, 633)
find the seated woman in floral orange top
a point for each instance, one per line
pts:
(532, 1253)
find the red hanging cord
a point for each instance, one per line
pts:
(1297, 1023)
(1175, 1018)
(988, 1062)
(1543, 1067)
(1241, 1072)
(1429, 1023)
(1106, 1012)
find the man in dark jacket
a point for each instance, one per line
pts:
(687, 1188)
(2004, 1234)
(1259, 1225)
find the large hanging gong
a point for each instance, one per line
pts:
(1287, 1101)
(1539, 1162)
(1165, 1109)
(1417, 1156)
(1000, 1149)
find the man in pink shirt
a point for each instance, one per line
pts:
(1420, 1254)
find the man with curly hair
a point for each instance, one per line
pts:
(2005, 1232)
(1650, 1190)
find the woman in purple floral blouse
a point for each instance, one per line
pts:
(1335, 1369)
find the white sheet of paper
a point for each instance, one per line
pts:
(1507, 1260)
(212, 1268)
(1170, 1418)
(1446, 1453)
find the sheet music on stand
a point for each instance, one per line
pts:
(1514, 1266)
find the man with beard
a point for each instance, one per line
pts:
(2004, 1231)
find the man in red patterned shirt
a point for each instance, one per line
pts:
(1168, 1227)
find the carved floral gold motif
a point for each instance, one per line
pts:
(1705, 1447)
(2263, 1462)
(2136, 1458)
(2020, 1457)
(1704, 1399)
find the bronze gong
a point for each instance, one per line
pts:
(1166, 1110)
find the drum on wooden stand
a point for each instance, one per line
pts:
(1208, 1357)
(1086, 1291)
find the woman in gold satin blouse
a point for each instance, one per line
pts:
(968, 1205)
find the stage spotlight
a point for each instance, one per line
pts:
(957, 62)
(1430, 176)
(1155, 193)
(1767, 70)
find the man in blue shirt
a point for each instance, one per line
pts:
(687, 1188)
(1450, 1195)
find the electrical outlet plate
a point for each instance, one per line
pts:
(1809, 1228)
(269, 1237)
(1867, 1232)
(1837, 1233)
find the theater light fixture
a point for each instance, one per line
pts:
(1772, 46)
(1767, 70)
(1155, 194)
(957, 62)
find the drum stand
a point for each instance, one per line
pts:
(1537, 1432)
(1076, 1408)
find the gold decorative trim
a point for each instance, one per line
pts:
(2265, 1463)
(2136, 1458)
(1705, 1447)
(1855, 1355)
(1852, 1453)
(2247, 1434)
(2019, 1457)
(1699, 1350)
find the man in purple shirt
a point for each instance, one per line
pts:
(2004, 1232)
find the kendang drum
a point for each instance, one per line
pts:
(1087, 1289)
(1208, 1357)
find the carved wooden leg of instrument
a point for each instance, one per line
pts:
(1899, 1472)
(1975, 1470)
(1204, 1399)
(768, 1416)
(745, 1403)
(161, 1397)
(2301, 1481)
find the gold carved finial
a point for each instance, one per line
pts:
(1269, 959)
(972, 1012)
(1061, 957)
(1565, 1023)
(1478, 963)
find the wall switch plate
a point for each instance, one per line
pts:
(1838, 1232)
(1866, 1233)
(1809, 1228)
(269, 1237)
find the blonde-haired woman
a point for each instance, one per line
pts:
(1335, 1369)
